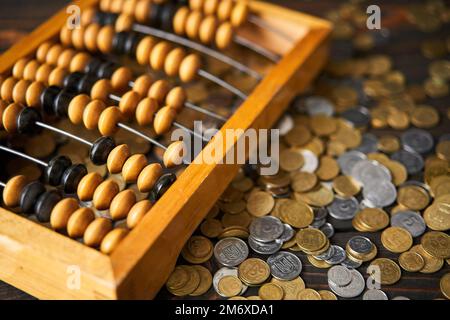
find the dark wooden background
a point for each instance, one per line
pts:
(18, 17)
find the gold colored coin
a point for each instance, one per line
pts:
(371, 220)
(388, 144)
(198, 249)
(205, 281)
(253, 298)
(276, 209)
(328, 168)
(437, 244)
(290, 288)
(411, 261)
(311, 239)
(291, 160)
(236, 231)
(229, 286)
(260, 203)
(319, 196)
(323, 125)
(436, 88)
(178, 279)
(233, 207)
(271, 291)
(443, 150)
(308, 294)
(211, 228)
(425, 117)
(327, 295)
(398, 171)
(298, 136)
(445, 285)
(191, 285)
(254, 271)
(390, 272)
(398, 120)
(231, 195)
(303, 181)
(321, 264)
(437, 216)
(346, 186)
(296, 213)
(242, 219)
(243, 185)
(396, 239)
(413, 197)
(432, 264)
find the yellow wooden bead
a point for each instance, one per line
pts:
(79, 221)
(105, 5)
(129, 7)
(90, 36)
(65, 36)
(124, 23)
(9, 117)
(87, 186)
(29, 72)
(43, 72)
(65, 58)
(121, 78)
(112, 240)
(210, 7)
(180, 19)
(145, 111)
(173, 61)
(42, 51)
(96, 231)
(128, 104)
(196, 4)
(87, 16)
(142, 84)
(76, 108)
(239, 14)
(61, 213)
(13, 189)
(189, 67)
(105, 38)
(176, 98)
(53, 54)
(164, 119)
(6, 91)
(91, 113)
(79, 62)
(159, 54)
(20, 90)
(3, 106)
(33, 94)
(78, 38)
(224, 10)
(133, 167)
(142, 10)
(19, 66)
(224, 35)
(144, 49)
(174, 154)
(117, 158)
(148, 177)
(101, 90)
(137, 212)
(207, 30)
(159, 90)
(116, 6)
(193, 24)
(109, 118)
(104, 194)
(121, 204)
(56, 77)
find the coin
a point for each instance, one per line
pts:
(327, 295)
(380, 193)
(338, 256)
(443, 150)
(445, 285)
(346, 186)
(436, 244)
(374, 294)
(303, 181)
(264, 247)
(388, 271)
(266, 229)
(419, 140)
(347, 160)
(270, 291)
(242, 219)
(260, 203)
(225, 271)
(410, 159)
(254, 271)
(340, 276)
(370, 220)
(177, 279)
(436, 216)
(409, 220)
(310, 161)
(296, 213)
(411, 261)
(284, 265)
(318, 105)
(233, 207)
(396, 239)
(308, 294)
(211, 228)
(432, 264)
(327, 229)
(354, 289)
(197, 249)
(298, 136)
(230, 252)
(291, 288)
(229, 286)
(291, 160)
(311, 239)
(343, 208)
(192, 283)
(205, 281)
(328, 168)
(388, 143)
(319, 196)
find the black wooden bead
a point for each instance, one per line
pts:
(99, 17)
(29, 195)
(62, 101)
(55, 170)
(72, 177)
(48, 97)
(106, 70)
(72, 80)
(110, 18)
(131, 43)
(45, 204)
(100, 150)
(26, 121)
(86, 83)
(155, 15)
(118, 43)
(167, 14)
(161, 186)
(93, 65)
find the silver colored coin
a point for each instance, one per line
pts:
(318, 223)
(320, 213)
(401, 298)
(368, 144)
(338, 256)
(327, 229)
(353, 289)
(343, 208)
(374, 294)
(380, 193)
(266, 229)
(230, 252)
(411, 160)
(367, 171)
(359, 117)
(419, 140)
(350, 264)
(310, 161)
(347, 160)
(287, 234)
(264, 247)
(327, 254)
(285, 124)
(409, 220)
(319, 105)
(339, 276)
(222, 272)
(284, 265)
(360, 244)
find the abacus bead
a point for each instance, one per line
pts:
(78, 38)
(42, 50)
(146, 110)
(173, 61)
(29, 195)
(210, 6)
(224, 10)
(45, 204)
(239, 14)
(55, 170)
(164, 119)
(79, 221)
(53, 54)
(65, 36)
(91, 113)
(118, 44)
(26, 121)
(133, 166)
(105, 5)
(148, 177)
(129, 7)
(61, 213)
(12, 191)
(196, 4)
(121, 204)
(131, 43)
(20, 90)
(176, 98)
(100, 150)
(87, 16)
(128, 103)
(162, 186)
(19, 66)
(208, 29)
(90, 36)
(48, 97)
(93, 66)
(193, 24)
(159, 90)
(96, 231)
(189, 67)
(87, 186)
(72, 177)
(33, 94)
(10, 115)
(72, 80)
(174, 154)
(142, 84)
(109, 118)
(137, 212)
(117, 158)
(80, 62)
(124, 23)
(179, 21)
(61, 103)
(143, 50)
(43, 72)
(121, 78)
(112, 240)
(56, 77)
(167, 14)
(159, 54)
(86, 83)
(7, 88)
(3, 106)
(101, 89)
(104, 194)
(116, 6)
(65, 58)
(224, 35)
(76, 108)
(142, 10)
(104, 39)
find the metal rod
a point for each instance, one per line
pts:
(222, 83)
(256, 48)
(23, 155)
(64, 133)
(2, 184)
(198, 47)
(180, 126)
(192, 106)
(256, 20)
(114, 97)
(140, 134)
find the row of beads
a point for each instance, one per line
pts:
(226, 10)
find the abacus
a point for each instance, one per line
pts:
(133, 65)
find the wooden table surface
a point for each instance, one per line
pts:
(18, 17)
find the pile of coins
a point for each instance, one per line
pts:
(358, 153)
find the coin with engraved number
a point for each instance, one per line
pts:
(264, 247)
(230, 252)
(353, 289)
(225, 271)
(340, 276)
(284, 265)
(266, 229)
(409, 220)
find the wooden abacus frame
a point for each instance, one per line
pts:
(41, 262)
